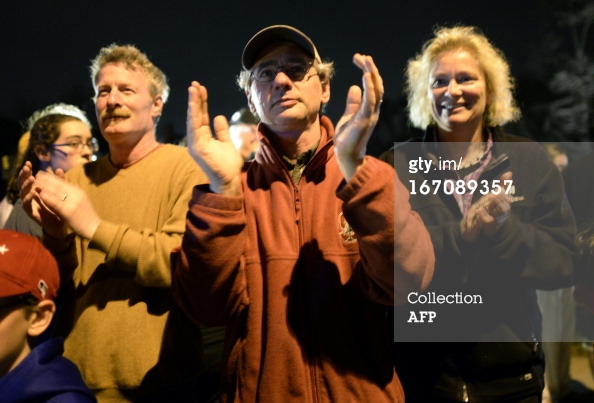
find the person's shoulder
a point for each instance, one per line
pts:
(77, 170)
(86, 170)
(401, 148)
(51, 376)
(176, 161)
(174, 148)
(387, 156)
(578, 172)
(505, 137)
(583, 162)
(514, 144)
(174, 154)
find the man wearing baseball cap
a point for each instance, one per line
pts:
(301, 254)
(29, 282)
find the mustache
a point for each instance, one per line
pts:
(114, 114)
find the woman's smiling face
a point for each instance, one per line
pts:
(458, 89)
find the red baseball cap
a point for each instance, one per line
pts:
(26, 266)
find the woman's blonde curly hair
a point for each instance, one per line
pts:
(501, 106)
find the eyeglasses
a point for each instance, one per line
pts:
(78, 145)
(296, 71)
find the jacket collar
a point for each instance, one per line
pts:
(267, 150)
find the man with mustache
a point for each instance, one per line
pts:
(111, 225)
(301, 254)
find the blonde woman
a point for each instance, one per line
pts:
(500, 225)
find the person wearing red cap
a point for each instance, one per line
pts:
(111, 224)
(302, 254)
(29, 281)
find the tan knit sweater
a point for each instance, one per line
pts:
(118, 318)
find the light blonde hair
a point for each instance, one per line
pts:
(132, 58)
(501, 106)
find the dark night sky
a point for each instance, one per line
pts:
(45, 46)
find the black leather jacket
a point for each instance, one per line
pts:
(490, 351)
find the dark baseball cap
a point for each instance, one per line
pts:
(26, 266)
(272, 34)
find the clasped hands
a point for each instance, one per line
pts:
(55, 204)
(487, 215)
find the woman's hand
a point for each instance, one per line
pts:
(487, 215)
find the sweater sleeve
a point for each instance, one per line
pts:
(396, 251)
(208, 278)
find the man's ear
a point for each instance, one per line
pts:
(42, 153)
(325, 92)
(40, 320)
(157, 106)
(248, 94)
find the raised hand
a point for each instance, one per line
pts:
(217, 156)
(360, 117)
(487, 215)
